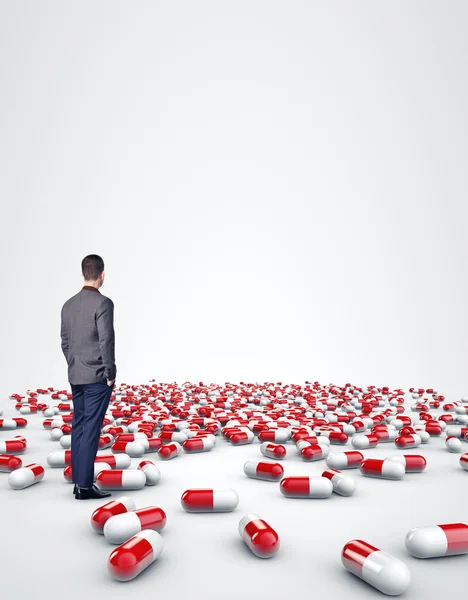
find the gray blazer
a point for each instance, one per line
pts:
(88, 338)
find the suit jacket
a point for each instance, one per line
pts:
(88, 338)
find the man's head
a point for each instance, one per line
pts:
(92, 267)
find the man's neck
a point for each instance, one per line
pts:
(93, 284)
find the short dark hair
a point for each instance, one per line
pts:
(91, 267)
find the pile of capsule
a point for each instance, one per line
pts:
(137, 531)
(169, 419)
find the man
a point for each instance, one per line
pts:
(88, 344)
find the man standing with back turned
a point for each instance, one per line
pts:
(88, 343)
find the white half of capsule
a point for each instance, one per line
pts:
(225, 500)
(120, 528)
(453, 430)
(385, 573)
(360, 442)
(55, 434)
(122, 461)
(9, 424)
(179, 436)
(134, 449)
(56, 458)
(426, 542)
(281, 435)
(153, 474)
(130, 480)
(65, 441)
(453, 444)
(23, 478)
(423, 435)
(391, 469)
(320, 487)
(343, 485)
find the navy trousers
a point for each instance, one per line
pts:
(90, 402)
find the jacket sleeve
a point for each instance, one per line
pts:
(64, 336)
(105, 328)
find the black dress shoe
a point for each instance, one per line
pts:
(74, 489)
(87, 494)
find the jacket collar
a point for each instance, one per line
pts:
(90, 287)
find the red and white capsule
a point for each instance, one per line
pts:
(344, 460)
(342, 484)
(377, 568)
(131, 479)
(436, 541)
(267, 471)
(458, 432)
(65, 441)
(198, 444)
(453, 444)
(105, 441)
(312, 452)
(464, 461)
(150, 444)
(240, 438)
(275, 451)
(173, 436)
(385, 435)
(153, 474)
(12, 446)
(413, 463)
(259, 536)
(383, 469)
(8, 424)
(408, 441)
(274, 435)
(362, 441)
(111, 509)
(133, 449)
(131, 558)
(9, 463)
(59, 458)
(24, 477)
(306, 487)
(208, 500)
(335, 437)
(120, 528)
(169, 451)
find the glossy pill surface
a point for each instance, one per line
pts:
(377, 568)
(208, 500)
(135, 555)
(259, 536)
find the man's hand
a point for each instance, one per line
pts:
(110, 382)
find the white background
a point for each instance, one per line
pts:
(278, 190)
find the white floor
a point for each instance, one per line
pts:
(48, 548)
